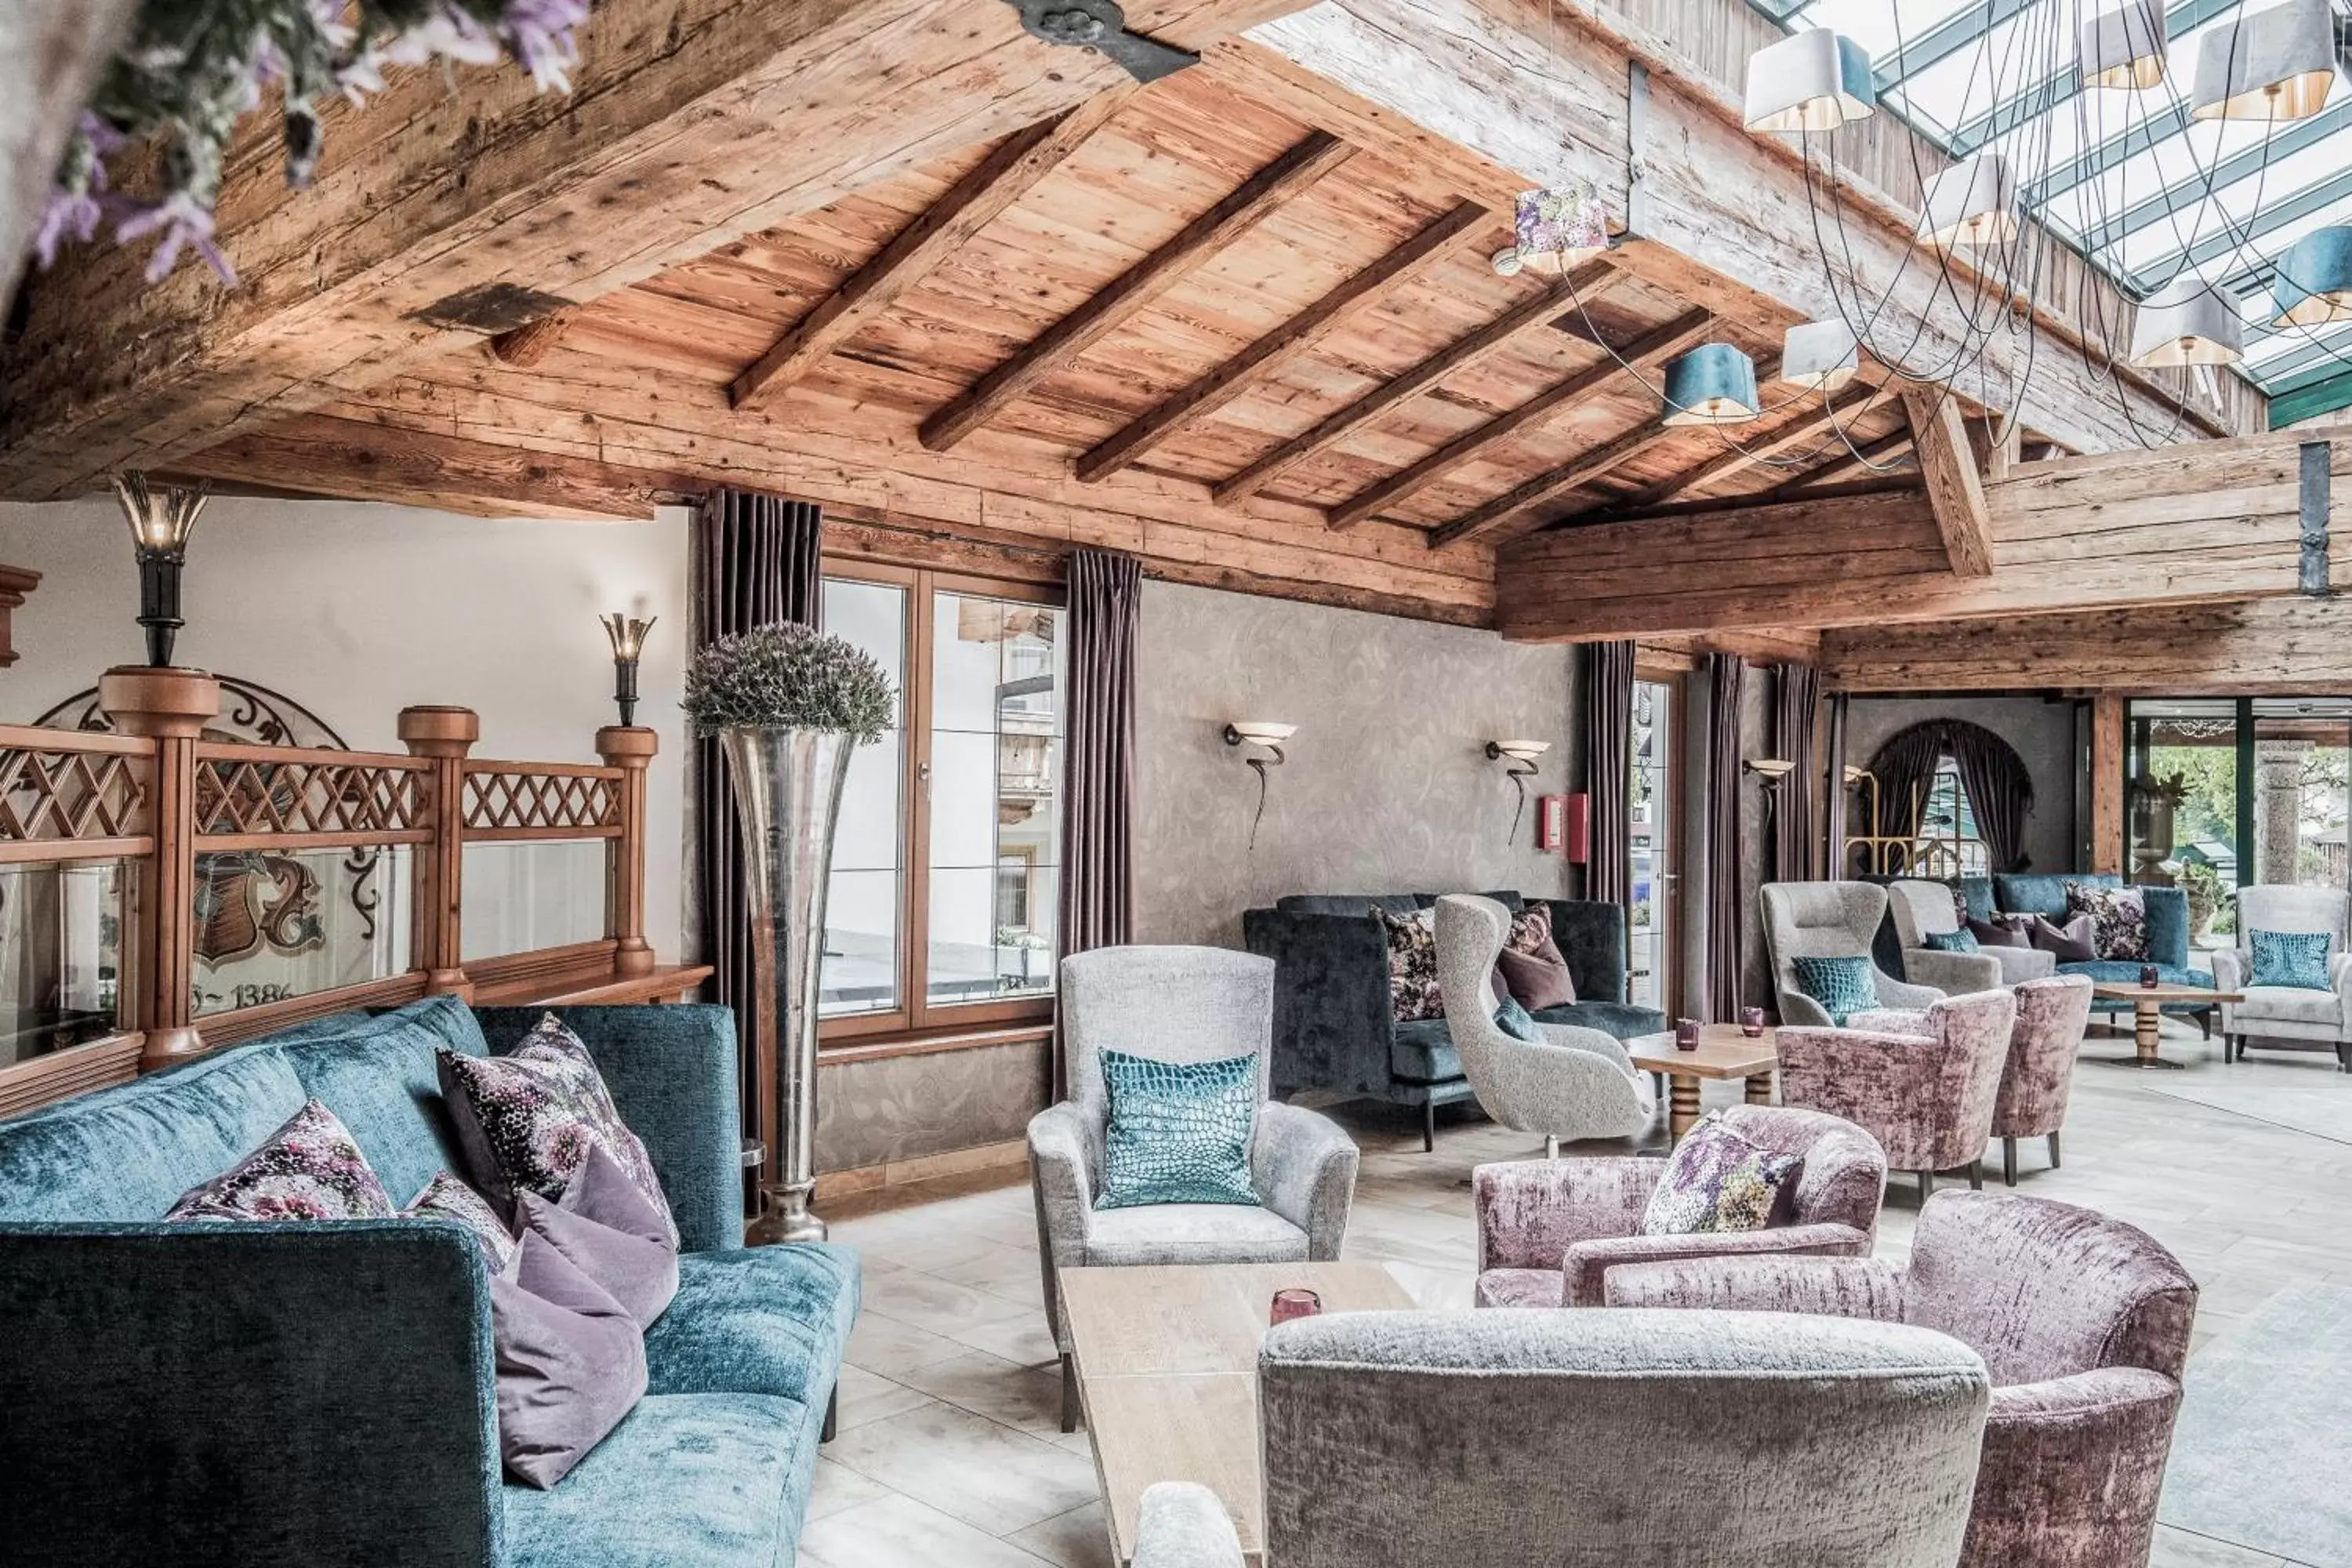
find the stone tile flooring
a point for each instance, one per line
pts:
(949, 1457)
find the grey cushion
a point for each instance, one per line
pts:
(572, 1363)
(1192, 1232)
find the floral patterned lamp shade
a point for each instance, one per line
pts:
(1814, 80)
(1715, 383)
(2187, 322)
(1558, 228)
(1971, 203)
(2270, 66)
(2313, 285)
(2124, 48)
(1820, 356)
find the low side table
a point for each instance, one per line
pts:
(1723, 1052)
(2149, 1003)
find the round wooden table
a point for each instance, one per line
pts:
(2149, 1003)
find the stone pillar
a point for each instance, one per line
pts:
(168, 706)
(446, 735)
(2278, 808)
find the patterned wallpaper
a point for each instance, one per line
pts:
(1387, 788)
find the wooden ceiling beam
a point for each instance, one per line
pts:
(1738, 457)
(1863, 459)
(1280, 346)
(1643, 353)
(1258, 198)
(1534, 312)
(1955, 488)
(527, 345)
(1012, 171)
(2288, 646)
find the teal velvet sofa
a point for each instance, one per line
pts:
(323, 1393)
(2044, 893)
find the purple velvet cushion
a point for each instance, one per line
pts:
(605, 1227)
(446, 1197)
(528, 1119)
(1996, 933)
(1717, 1181)
(308, 1169)
(571, 1360)
(2069, 944)
(1536, 980)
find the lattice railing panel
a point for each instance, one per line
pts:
(263, 797)
(59, 796)
(496, 800)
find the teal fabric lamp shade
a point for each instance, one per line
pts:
(1715, 383)
(2275, 65)
(2313, 285)
(1814, 80)
(2124, 48)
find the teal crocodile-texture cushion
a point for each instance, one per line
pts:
(2292, 958)
(1517, 1022)
(1180, 1132)
(1960, 941)
(1843, 986)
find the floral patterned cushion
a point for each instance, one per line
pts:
(1180, 1132)
(2296, 958)
(528, 1119)
(2118, 919)
(1413, 965)
(1716, 1181)
(446, 1197)
(308, 1169)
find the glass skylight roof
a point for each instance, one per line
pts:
(2125, 177)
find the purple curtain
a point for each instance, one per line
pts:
(1727, 687)
(1609, 769)
(1999, 789)
(1798, 691)
(1106, 611)
(756, 563)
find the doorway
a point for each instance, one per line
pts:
(1653, 827)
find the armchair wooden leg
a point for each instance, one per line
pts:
(1428, 1126)
(2205, 1022)
(2053, 1150)
(2009, 1162)
(1976, 1175)
(1926, 1185)
(1069, 1396)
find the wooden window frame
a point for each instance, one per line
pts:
(916, 1016)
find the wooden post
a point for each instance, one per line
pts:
(2106, 782)
(631, 749)
(168, 707)
(446, 735)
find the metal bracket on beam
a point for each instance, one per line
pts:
(1101, 25)
(2312, 506)
(1637, 136)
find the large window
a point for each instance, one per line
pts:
(1650, 823)
(946, 874)
(1948, 843)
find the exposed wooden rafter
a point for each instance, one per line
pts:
(527, 345)
(1740, 454)
(1258, 198)
(1955, 487)
(1279, 347)
(1864, 458)
(2291, 644)
(1002, 178)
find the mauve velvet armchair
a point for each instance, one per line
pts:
(2039, 1074)
(1549, 1230)
(1923, 1082)
(2084, 1320)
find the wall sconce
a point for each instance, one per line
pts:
(160, 524)
(1268, 736)
(1771, 770)
(628, 639)
(1521, 766)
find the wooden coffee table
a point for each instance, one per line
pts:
(1723, 1052)
(1167, 1368)
(2149, 1003)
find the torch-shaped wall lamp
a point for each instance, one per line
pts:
(629, 636)
(160, 522)
(1268, 737)
(1520, 760)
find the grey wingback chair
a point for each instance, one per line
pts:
(1546, 1439)
(2284, 1015)
(1577, 1083)
(1922, 909)
(1176, 1005)
(1828, 920)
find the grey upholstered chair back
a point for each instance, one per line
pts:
(1820, 919)
(1921, 910)
(1556, 1439)
(2283, 908)
(1169, 1003)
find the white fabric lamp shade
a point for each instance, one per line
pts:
(2187, 322)
(1814, 80)
(1714, 384)
(1822, 356)
(1261, 731)
(2313, 285)
(2273, 65)
(1971, 203)
(2124, 48)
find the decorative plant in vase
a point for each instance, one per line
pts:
(790, 705)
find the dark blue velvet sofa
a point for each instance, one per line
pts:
(323, 1393)
(1333, 1028)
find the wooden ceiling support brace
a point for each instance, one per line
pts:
(1257, 199)
(1014, 169)
(1280, 346)
(1738, 459)
(1955, 488)
(527, 345)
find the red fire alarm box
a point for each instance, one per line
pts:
(1551, 821)
(1577, 827)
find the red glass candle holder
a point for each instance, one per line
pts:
(1751, 1022)
(1297, 1302)
(2148, 975)
(1686, 1033)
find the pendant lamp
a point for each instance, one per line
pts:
(1971, 203)
(2187, 322)
(1814, 80)
(2313, 284)
(1557, 229)
(2124, 49)
(1714, 384)
(2273, 65)
(1822, 356)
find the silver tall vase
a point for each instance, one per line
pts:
(787, 795)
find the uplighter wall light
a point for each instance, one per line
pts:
(2272, 66)
(2124, 48)
(160, 522)
(1268, 736)
(1715, 383)
(627, 634)
(2313, 284)
(1522, 761)
(2187, 321)
(1814, 80)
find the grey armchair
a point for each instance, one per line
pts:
(1828, 920)
(1546, 1439)
(1577, 1083)
(1176, 1005)
(1922, 909)
(2284, 1015)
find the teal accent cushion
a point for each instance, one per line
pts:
(2292, 958)
(1843, 986)
(1518, 1021)
(1961, 940)
(1180, 1132)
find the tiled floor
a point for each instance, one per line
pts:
(949, 1457)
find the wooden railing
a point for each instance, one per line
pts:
(160, 798)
